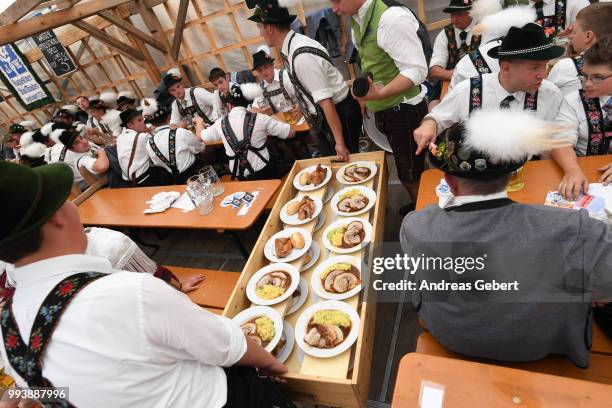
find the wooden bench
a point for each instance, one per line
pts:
(214, 291)
(600, 367)
(602, 344)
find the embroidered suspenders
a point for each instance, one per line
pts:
(479, 62)
(531, 100)
(195, 108)
(281, 90)
(27, 359)
(455, 53)
(62, 155)
(558, 20)
(599, 135)
(578, 61)
(243, 147)
(171, 160)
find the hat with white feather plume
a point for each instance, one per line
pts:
(243, 95)
(153, 111)
(173, 76)
(498, 24)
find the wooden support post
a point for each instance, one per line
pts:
(129, 28)
(112, 42)
(178, 28)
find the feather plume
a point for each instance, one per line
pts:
(251, 91)
(509, 136)
(175, 72)
(482, 8)
(498, 24)
(148, 106)
(71, 108)
(108, 98)
(265, 49)
(28, 124)
(33, 150)
(126, 94)
(47, 129)
(112, 118)
(55, 135)
(80, 127)
(26, 139)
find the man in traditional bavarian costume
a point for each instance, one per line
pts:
(275, 83)
(454, 41)
(136, 166)
(493, 27)
(86, 154)
(188, 102)
(519, 85)
(103, 126)
(82, 102)
(60, 153)
(592, 23)
(174, 150)
(126, 101)
(565, 256)
(323, 96)
(244, 135)
(12, 139)
(588, 111)
(75, 322)
(385, 34)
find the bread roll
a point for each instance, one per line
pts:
(297, 240)
(293, 207)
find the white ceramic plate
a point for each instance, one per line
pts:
(297, 302)
(368, 192)
(329, 193)
(317, 285)
(270, 251)
(310, 187)
(320, 222)
(345, 222)
(293, 219)
(251, 313)
(289, 335)
(285, 267)
(302, 324)
(315, 252)
(371, 165)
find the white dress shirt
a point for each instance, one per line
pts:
(455, 106)
(53, 156)
(397, 36)
(186, 146)
(277, 100)
(319, 78)
(87, 159)
(571, 10)
(141, 161)
(264, 126)
(204, 99)
(440, 48)
(460, 200)
(565, 75)
(466, 69)
(572, 113)
(127, 339)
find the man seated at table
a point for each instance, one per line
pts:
(87, 155)
(277, 88)
(587, 113)
(117, 339)
(103, 125)
(60, 153)
(248, 154)
(174, 150)
(188, 102)
(553, 261)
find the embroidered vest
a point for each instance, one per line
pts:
(375, 60)
(558, 20)
(455, 53)
(530, 104)
(169, 161)
(241, 148)
(479, 62)
(599, 135)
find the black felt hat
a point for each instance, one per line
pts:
(128, 115)
(17, 128)
(153, 111)
(528, 42)
(96, 104)
(260, 59)
(63, 113)
(124, 99)
(171, 79)
(270, 12)
(458, 6)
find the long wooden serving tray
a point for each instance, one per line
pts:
(342, 380)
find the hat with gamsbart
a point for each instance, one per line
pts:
(30, 196)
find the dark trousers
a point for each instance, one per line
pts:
(267, 173)
(603, 317)
(246, 390)
(349, 113)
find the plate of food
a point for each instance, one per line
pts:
(320, 222)
(312, 178)
(273, 284)
(356, 172)
(301, 210)
(327, 328)
(351, 201)
(311, 256)
(347, 235)
(337, 278)
(287, 245)
(283, 349)
(262, 324)
(298, 297)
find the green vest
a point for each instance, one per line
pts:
(375, 60)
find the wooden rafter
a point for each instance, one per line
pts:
(17, 10)
(129, 28)
(178, 28)
(27, 28)
(112, 42)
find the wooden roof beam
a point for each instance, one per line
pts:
(112, 42)
(129, 28)
(27, 28)
(17, 10)
(178, 28)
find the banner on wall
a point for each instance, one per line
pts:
(21, 80)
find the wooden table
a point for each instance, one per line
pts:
(302, 127)
(541, 176)
(469, 384)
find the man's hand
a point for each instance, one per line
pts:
(342, 151)
(606, 177)
(425, 134)
(191, 283)
(374, 93)
(574, 182)
(198, 121)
